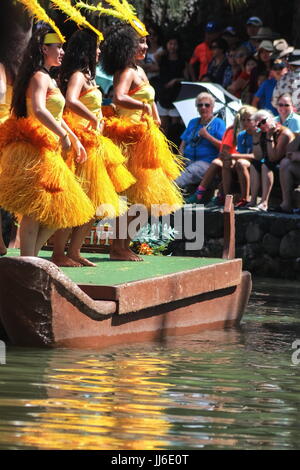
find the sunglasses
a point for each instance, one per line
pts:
(238, 56)
(202, 105)
(262, 122)
(284, 104)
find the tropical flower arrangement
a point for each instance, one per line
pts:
(153, 239)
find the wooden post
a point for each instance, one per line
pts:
(229, 229)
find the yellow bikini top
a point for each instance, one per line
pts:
(5, 107)
(92, 99)
(55, 103)
(144, 92)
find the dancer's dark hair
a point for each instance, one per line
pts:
(80, 55)
(119, 48)
(14, 27)
(33, 61)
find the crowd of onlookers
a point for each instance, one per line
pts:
(262, 144)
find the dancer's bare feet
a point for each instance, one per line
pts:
(81, 260)
(65, 261)
(124, 255)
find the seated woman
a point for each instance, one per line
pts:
(287, 117)
(201, 142)
(236, 151)
(269, 147)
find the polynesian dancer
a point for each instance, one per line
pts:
(36, 182)
(103, 175)
(136, 127)
(15, 30)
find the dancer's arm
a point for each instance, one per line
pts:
(76, 144)
(75, 87)
(123, 82)
(155, 114)
(38, 87)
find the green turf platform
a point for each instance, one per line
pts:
(112, 273)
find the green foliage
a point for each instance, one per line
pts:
(156, 236)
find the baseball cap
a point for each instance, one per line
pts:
(255, 21)
(212, 27)
(278, 65)
(230, 30)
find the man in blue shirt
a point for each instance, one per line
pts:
(263, 96)
(200, 141)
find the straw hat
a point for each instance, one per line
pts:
(281, 48)
(266, 45)
(265, 33)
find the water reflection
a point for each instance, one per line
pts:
(219, 389)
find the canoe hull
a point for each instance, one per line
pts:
(41, 307)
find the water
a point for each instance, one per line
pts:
(232, 389)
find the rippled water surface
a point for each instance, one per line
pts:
(232, 389)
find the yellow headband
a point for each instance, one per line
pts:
(39, 14)
(74, 15)
(52, 38)
(122, 10)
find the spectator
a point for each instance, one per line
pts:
(201, 142)
(239, 162)
(232, 70)
(263, 34)
(253, 25)
(172, 71)
(202, 54)
(264, 53)
(290, 82)
(289, 174)
(230, 36)
(269, 147)
(281, 49)
(287, 117)
(218, 64)
(242, 79)
(263, 96)
(250, 63)
(235, 153)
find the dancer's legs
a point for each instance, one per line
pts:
(58, 256)
(29, 230)
(43, 235)
(77, 238)
(120, 246)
